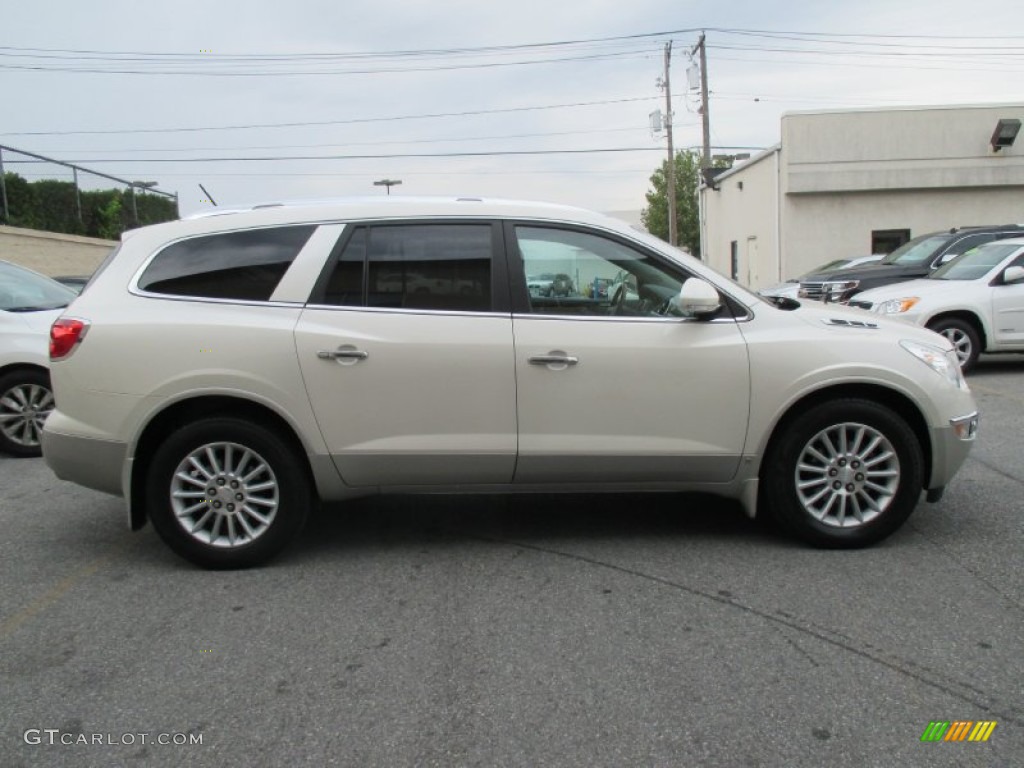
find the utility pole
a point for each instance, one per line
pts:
(673, 223)
(705, 162)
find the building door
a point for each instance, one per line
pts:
(753, 267)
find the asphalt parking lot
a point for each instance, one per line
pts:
(614, 631)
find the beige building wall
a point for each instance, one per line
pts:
(51, 253)
(835, 226)
(843, 174)
(752, 190)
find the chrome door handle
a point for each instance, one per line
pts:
(552, 360)
(346, 352)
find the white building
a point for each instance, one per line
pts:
(854, 182)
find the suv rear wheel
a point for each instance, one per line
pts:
(226, 493)
(847, 473)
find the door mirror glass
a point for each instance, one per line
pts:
(698, 298)
(1013, 274)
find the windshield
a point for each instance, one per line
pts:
(976, 263)
(917, 251)
(22, 290)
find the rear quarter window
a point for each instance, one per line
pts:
(244, 265)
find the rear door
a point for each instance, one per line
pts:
(406, 352)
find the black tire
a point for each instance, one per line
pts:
(26, 399)
(260, 525)
(964, 337)
(793, 475)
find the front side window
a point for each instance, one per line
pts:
(578, 273)
(229, 265)
(976, 263)
(444, 267)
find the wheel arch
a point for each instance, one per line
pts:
(968, 316)
(896, 401)
(21, 366)
(190, 410)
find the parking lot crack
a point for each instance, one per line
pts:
(965, 692)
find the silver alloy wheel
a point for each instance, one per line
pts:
(224, 494)
(961, 343)
(23, 410)
(847, 475)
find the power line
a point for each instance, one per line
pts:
(349, 121)
(247, 159)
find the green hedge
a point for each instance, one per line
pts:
(50, 205)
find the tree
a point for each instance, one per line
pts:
(655, 215)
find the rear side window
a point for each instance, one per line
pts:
(444, 267)
(230, 265)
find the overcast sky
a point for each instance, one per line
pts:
(100, 84)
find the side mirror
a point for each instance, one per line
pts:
(946, 258)
(697, 298)
(1013, 274)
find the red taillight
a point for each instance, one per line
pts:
(65, 333)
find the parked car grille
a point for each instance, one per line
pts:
(814, 291)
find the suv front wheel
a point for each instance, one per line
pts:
(226, 493)
(847, 473)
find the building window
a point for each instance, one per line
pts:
(734, 254)
(888, 240)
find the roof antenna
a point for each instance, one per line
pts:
(214, 202)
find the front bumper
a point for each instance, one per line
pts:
(950, 446)
(87, 461)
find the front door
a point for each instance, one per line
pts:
(617, 388)
(407, 357)
(1008, 311)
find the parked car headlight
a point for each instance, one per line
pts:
(944, 363)
(896, 306)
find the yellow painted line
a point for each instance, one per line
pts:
(10, 624)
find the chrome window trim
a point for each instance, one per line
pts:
(622, 319)
(210, 300)
(402, 311)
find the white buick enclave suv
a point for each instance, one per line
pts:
(224, 372)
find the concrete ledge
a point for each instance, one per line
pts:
(53, 253)
(58, 236)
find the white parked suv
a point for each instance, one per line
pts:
(976, 301)
(223, 372)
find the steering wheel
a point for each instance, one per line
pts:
(619, 300)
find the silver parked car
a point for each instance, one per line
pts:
(29, 303)
(224, 371)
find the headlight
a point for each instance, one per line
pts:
(896, 306)
(836, 289)
(942, 362)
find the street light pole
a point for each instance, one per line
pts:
(389, 183)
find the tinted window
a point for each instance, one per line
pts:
(231, 265)
(576, 273)
(415, 266)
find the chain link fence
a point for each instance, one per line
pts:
(39, 192)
